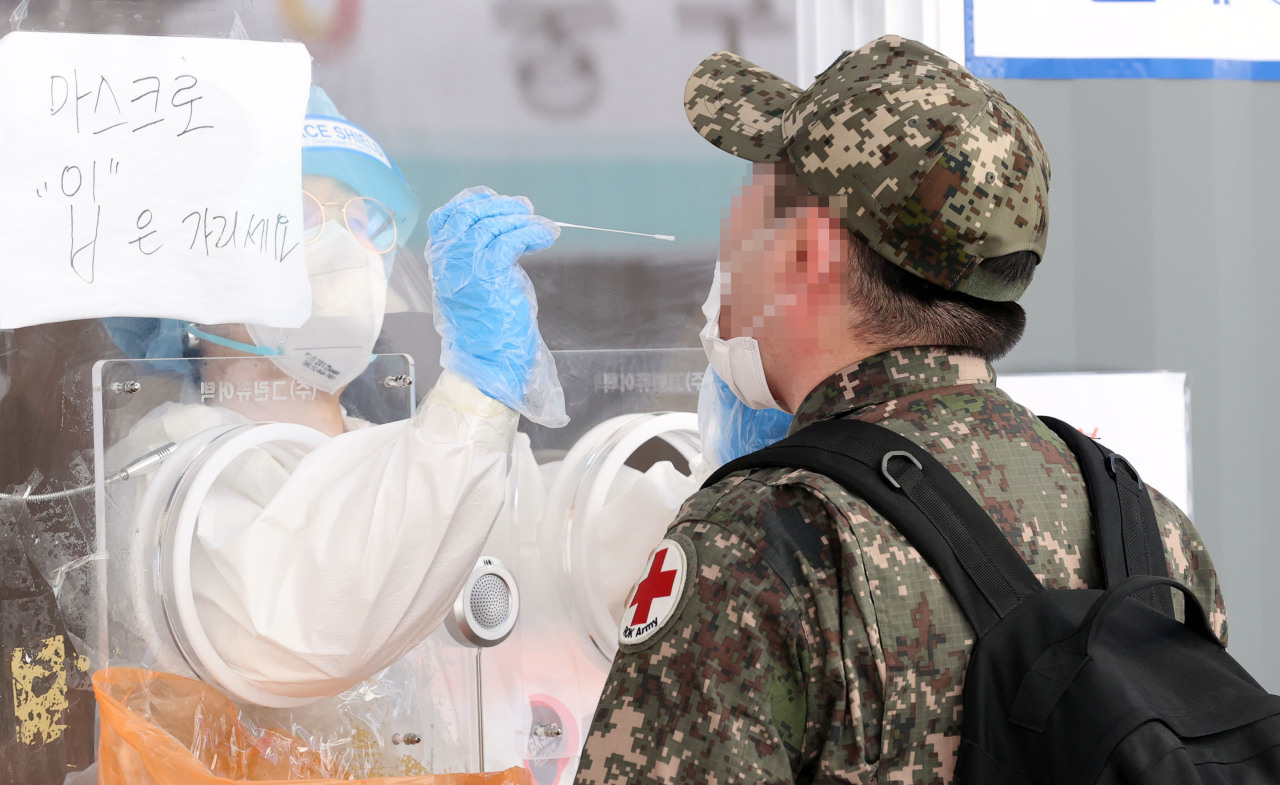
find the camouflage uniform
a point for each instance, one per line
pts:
(809, 641)
(812, 642)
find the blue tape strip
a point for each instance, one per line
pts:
(1151, 68)
(968, 31)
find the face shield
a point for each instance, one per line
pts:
(359, 191)
(358, 212)
(370, 295)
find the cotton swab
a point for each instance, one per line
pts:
(669, 238)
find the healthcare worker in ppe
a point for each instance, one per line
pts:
(308, 578)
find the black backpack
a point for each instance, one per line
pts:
(1070, 685)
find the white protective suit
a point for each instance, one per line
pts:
(311, 577)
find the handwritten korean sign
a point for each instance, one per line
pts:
(151, 176)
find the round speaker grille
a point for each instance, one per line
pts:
(490, 601)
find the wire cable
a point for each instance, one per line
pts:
(134, 468)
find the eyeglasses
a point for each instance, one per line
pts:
(369, 221)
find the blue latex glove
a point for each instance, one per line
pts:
(731, 429)
(486, 312)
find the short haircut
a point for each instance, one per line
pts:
(898, 308)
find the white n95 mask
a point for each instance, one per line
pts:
(348, 299)
(736, 361)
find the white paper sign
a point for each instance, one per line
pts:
(1142, 416)
(151, 176)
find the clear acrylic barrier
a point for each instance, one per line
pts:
(142, 405)
(246, 389)
(417, 716)
(577, 523)
(603, 383)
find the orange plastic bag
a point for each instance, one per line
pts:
(162, 729)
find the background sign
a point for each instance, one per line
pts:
(1142, 416)
(151, 176)
(1119, 39)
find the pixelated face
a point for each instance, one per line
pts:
(752, 243)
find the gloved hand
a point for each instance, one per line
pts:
(731, 429)
(485, 309)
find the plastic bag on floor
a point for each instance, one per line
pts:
(162, 729)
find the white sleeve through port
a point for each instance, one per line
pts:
(312, 582)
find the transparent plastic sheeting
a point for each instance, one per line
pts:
(54, 561)
(161, 729)
(48, 554)
(6, 341)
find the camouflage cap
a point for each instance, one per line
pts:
(937, 171)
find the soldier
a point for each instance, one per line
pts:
(784, 630)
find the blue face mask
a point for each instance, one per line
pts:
(729, 428)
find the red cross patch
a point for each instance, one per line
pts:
(656, 597)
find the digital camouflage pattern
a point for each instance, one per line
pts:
(816, 645)
(936, 169)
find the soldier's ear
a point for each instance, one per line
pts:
(819, 246)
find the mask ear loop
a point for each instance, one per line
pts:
(228, 343)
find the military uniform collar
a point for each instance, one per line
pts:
(890, 375)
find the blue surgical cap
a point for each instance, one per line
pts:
(334, 147)
(148, 339)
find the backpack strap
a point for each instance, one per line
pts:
(1124, 519)
(922, 499)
